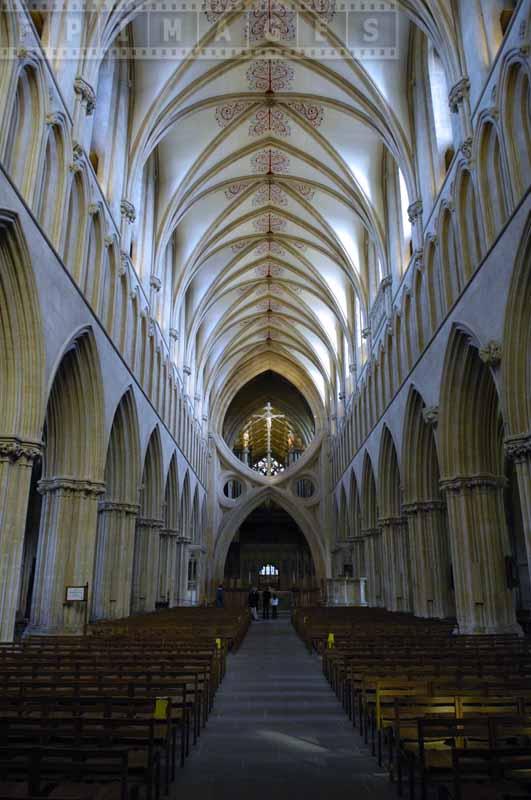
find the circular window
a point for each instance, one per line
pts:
(304, 488)
(233, 489)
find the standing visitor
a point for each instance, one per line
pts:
(253, 602)
(266, 599)
(274, 606)
(220, 596)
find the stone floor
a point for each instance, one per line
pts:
(278, 732)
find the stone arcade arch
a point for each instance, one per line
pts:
(395, 543)
(426, 513)
(168, 587)
(71, 485)
(372, 534)
(473, 479)
(516, 380)
(249, 502)
(22, 361)
(148, 527)
(118, 509)
(355, 527)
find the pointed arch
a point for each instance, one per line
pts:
(419, 453)
(22, 356)
(148, 526)
(355, 508)
(54, 174)
(390, 491)
(469, 222)
(117, 513)
(491, 171)
(186, 506)
(471, 426)
(75, 413)
(251, 500)
(369, 506)
(515, 93)
(23, 140)
(152, 478)
(517, 341)
(427, 520)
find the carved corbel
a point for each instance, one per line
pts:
(430, 414)
(86, 93)
(418, 259)
(127, 210)
(491, 354)
(414, 212)
(78, 155)
(155, 283)
(458, 93)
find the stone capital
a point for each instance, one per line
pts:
(187, 370)
(71, 486)
(118, 507)
(174, 334)
(518, 448)
(491, 354)
(368, 532)
(149, 522)
(458, 484)
(386, 282)
(414, 211)
(392, 522)
(366, 332)
(423, 507)
(14, 449)
(458, 93)
(127, 210)
(86, 93)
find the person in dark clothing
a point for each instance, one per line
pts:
(253, 602)
(266, 600)
(274, 606)
(220, 597)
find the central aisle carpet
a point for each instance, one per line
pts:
(278, 732)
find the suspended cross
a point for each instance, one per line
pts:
(268, 417)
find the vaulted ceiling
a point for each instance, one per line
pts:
(271, 165)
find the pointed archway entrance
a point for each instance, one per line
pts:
(266, 533)
(269, 549)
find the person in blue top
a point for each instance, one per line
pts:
(220, 596)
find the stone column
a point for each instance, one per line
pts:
(373, 564)
(430, 559)
(395, 558)
(16, 462)
(167, 567)
(66, 551)
(146, 564)
(113, 574)
(518, 448)
(181, 567)
(479, 545)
